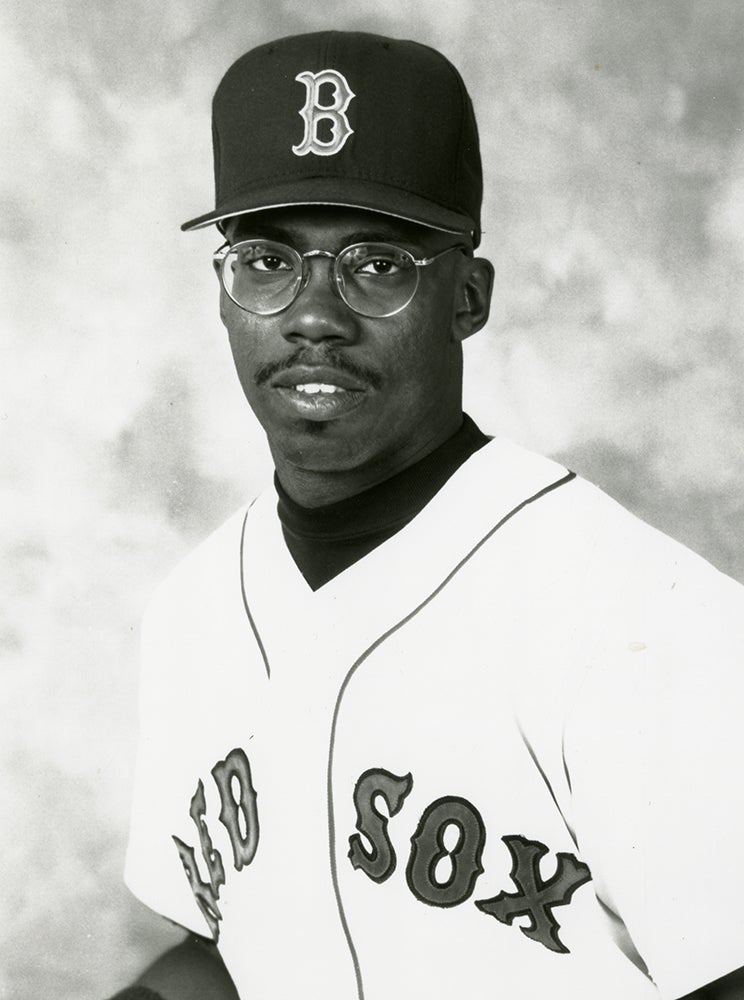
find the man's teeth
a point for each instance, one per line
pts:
(312, 388)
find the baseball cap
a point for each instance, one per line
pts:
(349, 119)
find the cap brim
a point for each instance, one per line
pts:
(346, 193)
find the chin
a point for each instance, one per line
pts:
(316, 448)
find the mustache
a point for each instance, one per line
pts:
(327, 356)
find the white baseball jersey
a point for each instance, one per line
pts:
(497, 757)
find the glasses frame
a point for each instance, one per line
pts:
(219, 258)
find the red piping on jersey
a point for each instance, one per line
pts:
(257, 637)
(352, 670)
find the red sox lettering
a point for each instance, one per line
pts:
(206, 893)
(379, 862)
(235, 768)
(371, 851)
(535, 897)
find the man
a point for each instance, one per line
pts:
(432, 717)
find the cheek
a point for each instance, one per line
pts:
(424, 350)
(245, 348)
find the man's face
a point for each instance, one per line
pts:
(396, 380)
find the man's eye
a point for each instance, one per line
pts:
(378, 266)
(268, 263)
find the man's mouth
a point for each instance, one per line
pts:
(313, 388)
(316, 392)
(315, 378)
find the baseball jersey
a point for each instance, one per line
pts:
(497, 756)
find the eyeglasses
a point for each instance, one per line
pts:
(373, 279)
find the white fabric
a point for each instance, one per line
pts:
(572, 675)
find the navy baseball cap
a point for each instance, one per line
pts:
(348, 119)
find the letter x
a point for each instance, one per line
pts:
(536, 898)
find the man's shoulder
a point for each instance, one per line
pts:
(573, 519)
(202, 573)
(627, 541)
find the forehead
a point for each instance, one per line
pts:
(330, 227)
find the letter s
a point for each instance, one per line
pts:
(378, 862)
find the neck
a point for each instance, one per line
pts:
(317, 487)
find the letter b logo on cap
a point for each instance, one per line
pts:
(314, 112)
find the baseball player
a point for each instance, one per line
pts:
(431, 717)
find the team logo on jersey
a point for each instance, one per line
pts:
(438, 872)
(535, 897)
(239, 816)
(329, 117)
(372, 851)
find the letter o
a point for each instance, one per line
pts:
(428, 849)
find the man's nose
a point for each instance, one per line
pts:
(319, 313)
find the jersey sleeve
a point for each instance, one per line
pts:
(154, 871)
(197, 658)
(653, 752)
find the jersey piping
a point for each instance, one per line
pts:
(564, 480)
(254, 629)
(355, 666)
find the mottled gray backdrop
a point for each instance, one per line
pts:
(614, 153)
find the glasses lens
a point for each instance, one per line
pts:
(261, 276)
(376, 279)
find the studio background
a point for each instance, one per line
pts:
(614, 213)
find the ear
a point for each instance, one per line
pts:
(473, 301)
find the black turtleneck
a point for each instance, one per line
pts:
(324, 541)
